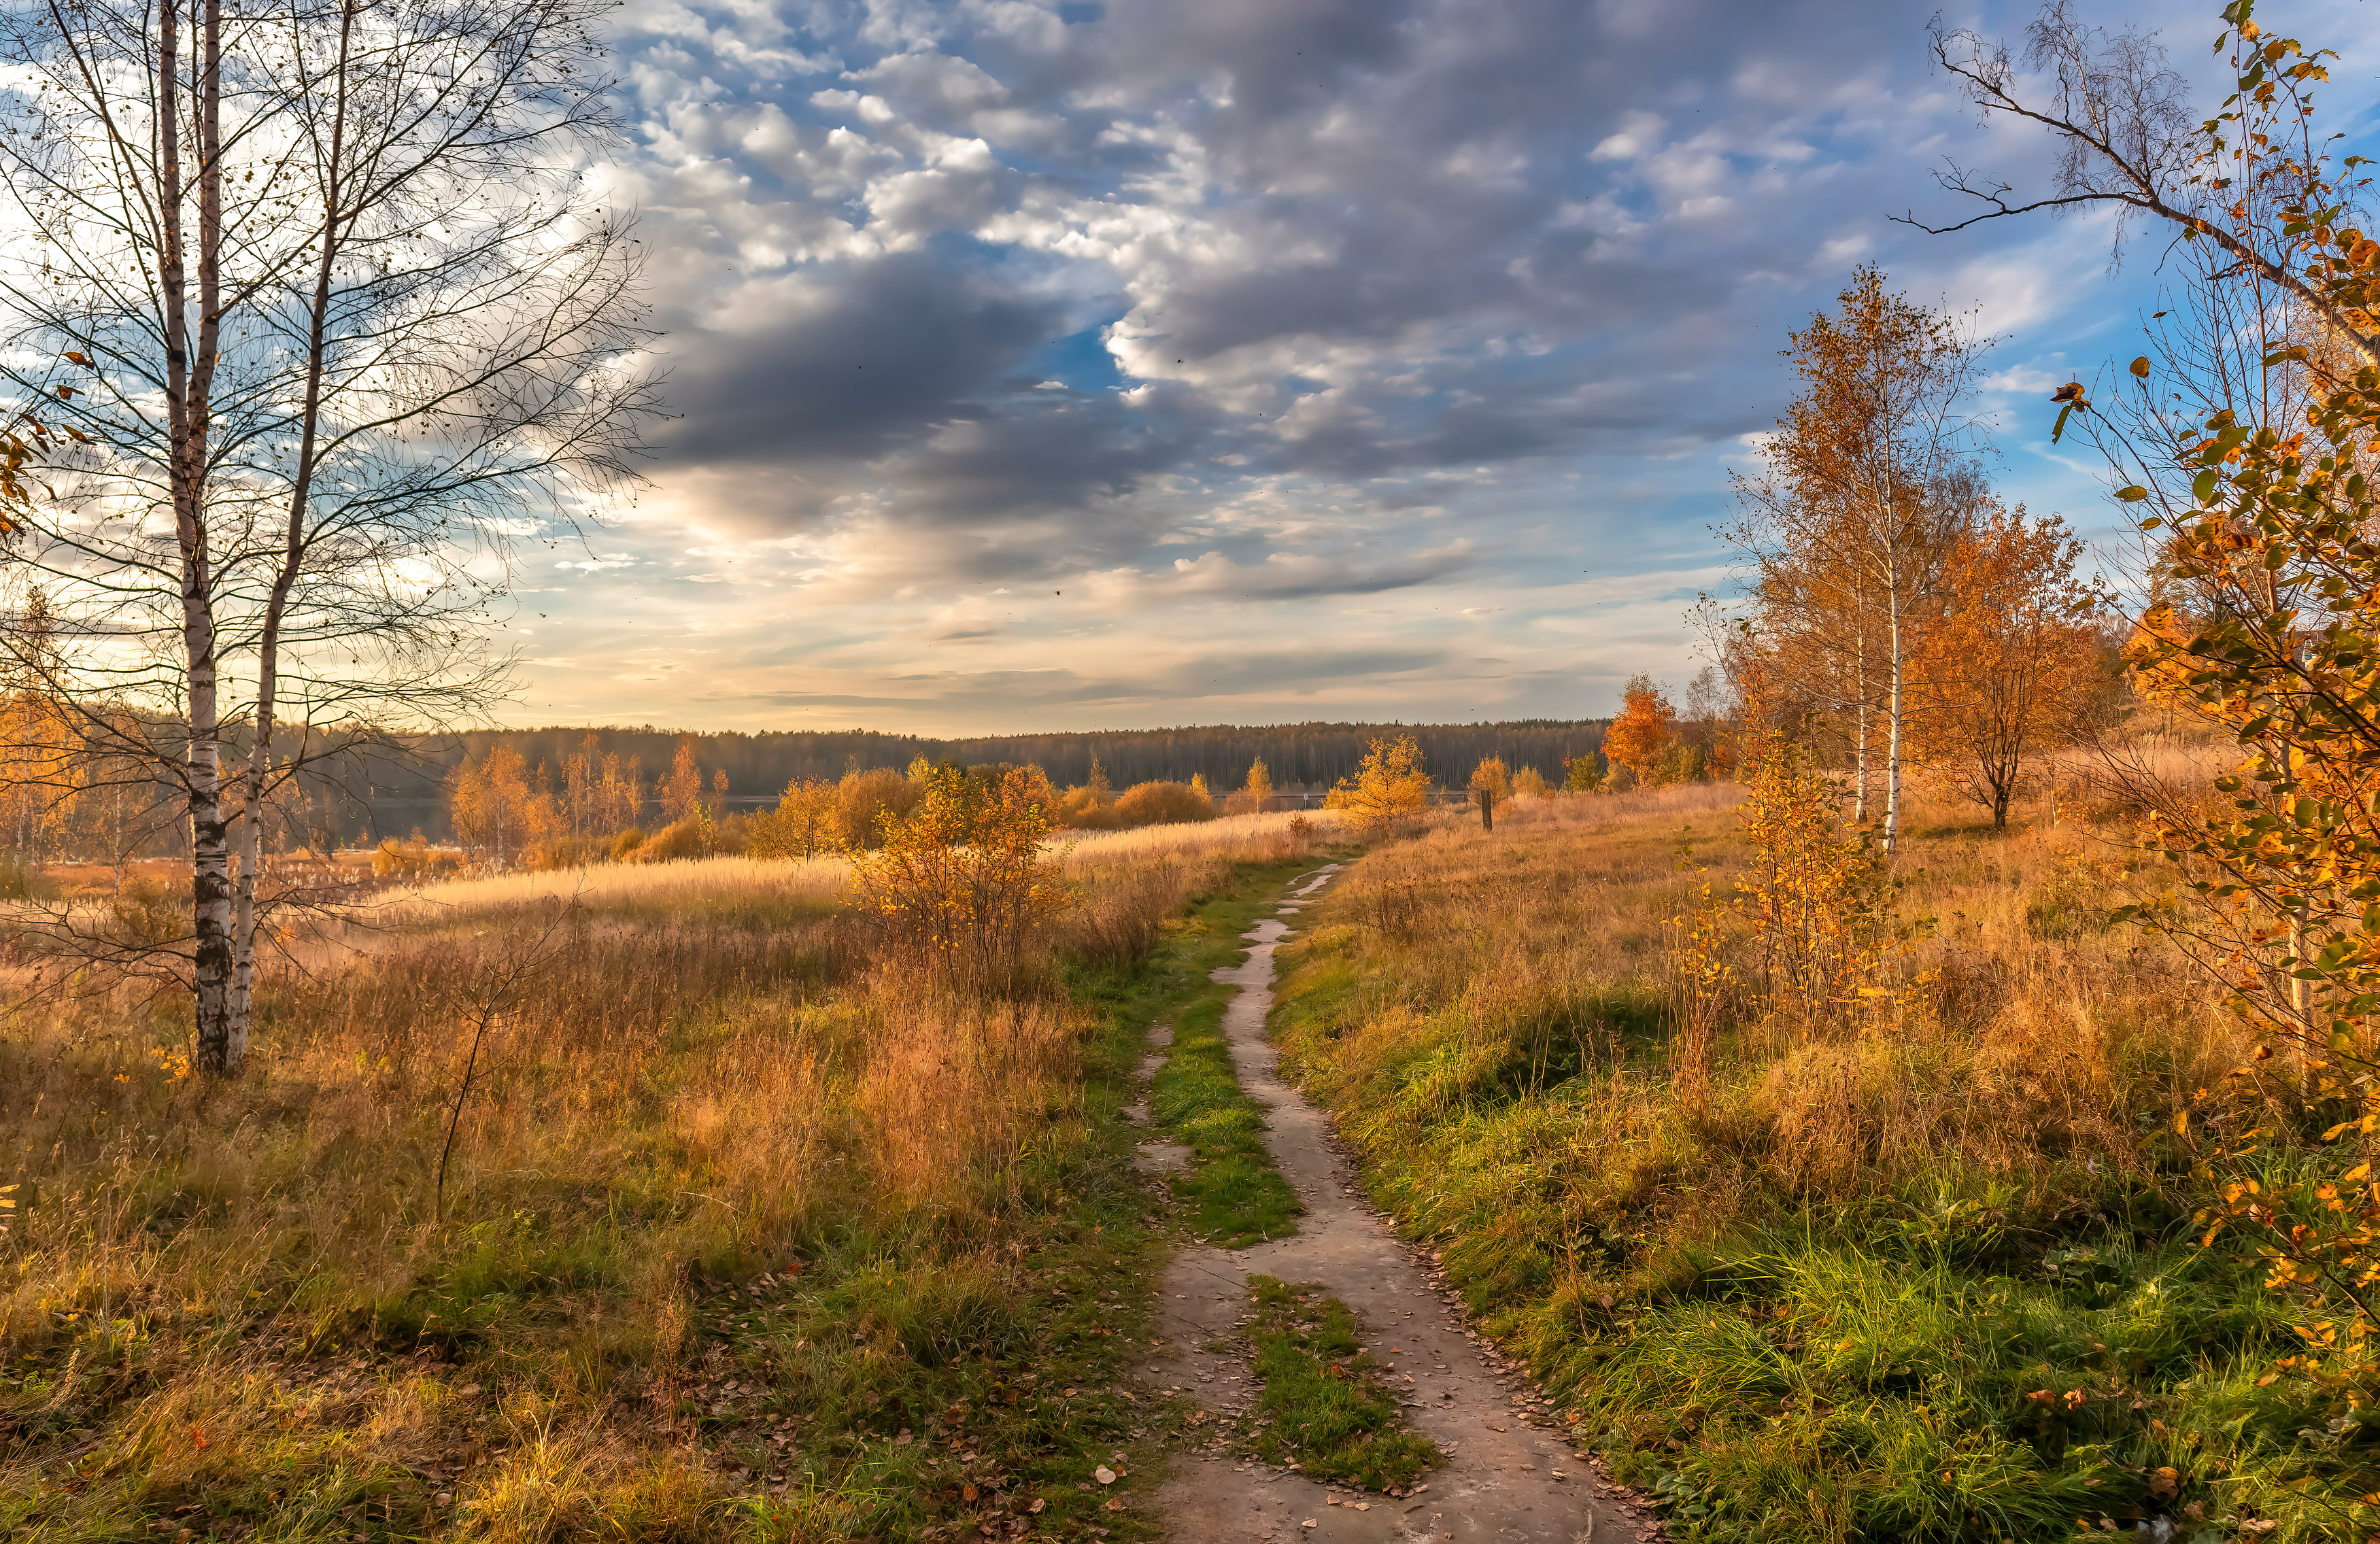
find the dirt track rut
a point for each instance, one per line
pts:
(1506, 1477)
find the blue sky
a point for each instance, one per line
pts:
(1103, 365)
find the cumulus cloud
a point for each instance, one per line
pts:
(1067, 334)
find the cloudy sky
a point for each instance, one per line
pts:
(1111, 363)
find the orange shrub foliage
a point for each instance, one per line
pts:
(1645, 726)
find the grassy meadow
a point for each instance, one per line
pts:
(1932, 1278)
(647, 1203)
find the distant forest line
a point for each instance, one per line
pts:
(399, 795)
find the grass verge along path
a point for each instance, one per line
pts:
(1233, 1194)
(1938, 1285)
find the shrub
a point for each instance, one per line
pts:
(866, 802)
(627, 842)
(396, 859)
(566, 852)
(690, 837)
(960, 883)
(1157, 804)
(1679, 761)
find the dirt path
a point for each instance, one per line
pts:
(1506, 1477)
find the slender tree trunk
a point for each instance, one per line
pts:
(293, 550)
(1892, 730)
(1859, 799)
(222, 1044)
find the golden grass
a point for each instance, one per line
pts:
(214, 1294)
(689, 883)
(1547, 938)
(1815, 1293)
(1225, 832)
(702, 884)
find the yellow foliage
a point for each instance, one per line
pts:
(960, 883)
(1492, 776)
(1389, 785)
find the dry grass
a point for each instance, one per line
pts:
(760, 885)
(1813, 1296)
(1225, 833)
(236, 1301)
(695, 884)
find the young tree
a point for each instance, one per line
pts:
(2265, 524)
(497, 810)
(1868, 484)
(961, 883)
(2009, 670)
(321, 309)
(681, 791)
(1389, 787)
(1644, 729)
(801, 826)
(1255, 793)
(1582, 774)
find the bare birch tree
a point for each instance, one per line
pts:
(325, 310)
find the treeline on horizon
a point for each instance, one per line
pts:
(1300, 757)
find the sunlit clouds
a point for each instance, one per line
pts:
(1070, 365)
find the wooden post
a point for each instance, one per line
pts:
(1486, 809)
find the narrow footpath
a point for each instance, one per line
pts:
(1508, 1475)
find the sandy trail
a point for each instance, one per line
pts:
(1506, 1477)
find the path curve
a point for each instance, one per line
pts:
(1505, 1478)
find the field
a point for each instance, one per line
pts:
(1935, 1278)
(648, 1202)
(656, 1201)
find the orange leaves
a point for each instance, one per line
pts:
(1644, 729)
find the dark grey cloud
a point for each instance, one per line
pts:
(864, 355)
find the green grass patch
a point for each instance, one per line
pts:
(1233, 1194)
(1324, 1407)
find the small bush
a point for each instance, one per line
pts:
(681, 839)
(1157, 804)
(566, 852)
